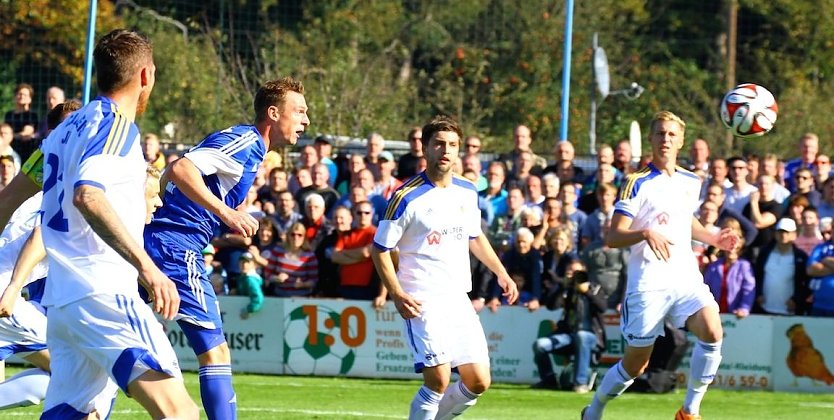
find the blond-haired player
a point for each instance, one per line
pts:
(654, 217)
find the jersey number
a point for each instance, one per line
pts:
(57, 221)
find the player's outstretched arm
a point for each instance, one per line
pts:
(407, 306)
(725, 240)
(188, 179)
(13, 195)
(98, 212)
(31, 254)
(483, 251)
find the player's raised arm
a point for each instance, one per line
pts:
(726, 239)
(483, 251)
(188, 179)
(384, 263)
(97, 211)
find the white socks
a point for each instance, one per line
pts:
(455, 401)
(614, 383)
(706, 357)
(425, 404)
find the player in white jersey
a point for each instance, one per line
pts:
(23, 323)
(99, 330)
(654, 216)
(433, 222)
(24, 332)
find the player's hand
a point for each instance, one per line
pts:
(478, 304)
(241, 221)
(727, 239)
(407, 306)
(163, 293)
(508, 286)
(741, 313)
(658, 244)
(7, 302)
(533, 305)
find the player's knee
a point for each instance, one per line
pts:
(541, 345)
(218, 355)
(479, 385)
(635, 368)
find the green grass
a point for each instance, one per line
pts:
(293, 397)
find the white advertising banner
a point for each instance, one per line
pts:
(746, 354)
(336, 337)
(803, 354)
(255, 343)
(350, 338)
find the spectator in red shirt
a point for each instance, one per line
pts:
(353, 254)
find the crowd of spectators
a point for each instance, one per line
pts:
(318, 216)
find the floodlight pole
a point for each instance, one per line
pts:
(88, 60)
(563, 128)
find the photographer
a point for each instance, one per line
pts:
(579, 333)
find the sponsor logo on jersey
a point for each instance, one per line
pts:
(663, 218)
(434, 238)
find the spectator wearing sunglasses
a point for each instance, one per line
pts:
(352, 253)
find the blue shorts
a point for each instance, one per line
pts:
(184, 265)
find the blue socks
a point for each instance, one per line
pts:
(217, 393)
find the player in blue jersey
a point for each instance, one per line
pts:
(203, 189)
(434, 222)
(99, 331)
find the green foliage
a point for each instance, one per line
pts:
(387, 65)
(192, 90)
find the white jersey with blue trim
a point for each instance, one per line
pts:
(665, 204)
(25, 219)
(96, 146)
(229, 161)
(431, 227)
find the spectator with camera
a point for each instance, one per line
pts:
(578, 334)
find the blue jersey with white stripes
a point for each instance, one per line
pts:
(228, 160)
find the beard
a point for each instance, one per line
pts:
(142, 103)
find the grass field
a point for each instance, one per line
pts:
(292, 397)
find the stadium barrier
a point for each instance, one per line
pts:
(350, 338)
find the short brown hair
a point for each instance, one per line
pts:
(61, 112)
(118, 55)
(274, 93)
(438, 124)
(25, 86)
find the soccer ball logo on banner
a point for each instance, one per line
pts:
(313, 342)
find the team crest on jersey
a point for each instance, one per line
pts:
(434, 238)
(662, 218)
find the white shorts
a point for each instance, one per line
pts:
(643, 313)
(447, 331)
(99, 342)
(24, 332)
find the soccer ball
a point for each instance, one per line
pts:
(749, 110)
(328, 355)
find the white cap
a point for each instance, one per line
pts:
(786, 224)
